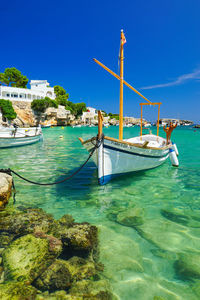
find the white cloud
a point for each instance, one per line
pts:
(180, 80)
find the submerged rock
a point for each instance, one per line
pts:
(92, 290)
(131, 217)
(188, 265)
(164, 254)
(81, 268)
(6, 239)
(185, 217)
(5, 189)
(52, 255)
(119, 254)
(60, 295)
(27, 257)
(80, 239)
(169, 236)
(60, 226)
(17, 291)
(21, 222)
(55, 277)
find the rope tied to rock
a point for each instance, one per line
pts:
(10, 171)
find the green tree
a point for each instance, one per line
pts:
(80, 108)
(7, 109)
(40, 105)
(13, 77)
(76, 108)
(60, 91)
(61, 100)
(114, 116)
(71, 106)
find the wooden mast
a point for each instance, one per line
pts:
(122, 41)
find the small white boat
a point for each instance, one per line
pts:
(115, 157)
(128, 125)
(147, 125)
(76, 126)
(121, 156)
(14, 137)
(45, 125)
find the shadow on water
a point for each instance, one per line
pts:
(82, 182)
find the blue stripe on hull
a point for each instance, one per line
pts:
(134, 153)
(21, 144)
(105, 179)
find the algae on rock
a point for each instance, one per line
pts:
(17, 291)
(21, 222)
(80, 239)
(27, 257)
(55, 277)
(92, 290)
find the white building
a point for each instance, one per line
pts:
(89, 115)
(39, 89)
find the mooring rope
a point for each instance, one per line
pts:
(10, 171)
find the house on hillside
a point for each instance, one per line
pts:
(39, 90)
(89, 115)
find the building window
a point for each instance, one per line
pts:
(14, 95)
(7, 95)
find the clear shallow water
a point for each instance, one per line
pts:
(138, 263)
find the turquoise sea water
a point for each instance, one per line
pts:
(140, 262)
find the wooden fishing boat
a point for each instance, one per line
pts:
(115, 157)
(14, 137)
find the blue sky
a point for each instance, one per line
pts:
(56, 40)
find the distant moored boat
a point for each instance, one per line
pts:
(14, 137)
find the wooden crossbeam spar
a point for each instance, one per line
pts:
(118, 77)
(152, 103)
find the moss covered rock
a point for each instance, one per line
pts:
(24, 221)
(55, 277)
(60, 295)
(92, 290)
(80, 239)
(6, 239)
(27, 257)
(17, 291)
(61, 225)
(81, 268)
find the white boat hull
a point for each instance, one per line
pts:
(22, 136)
(114, 158)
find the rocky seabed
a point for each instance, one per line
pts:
(43, 258)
